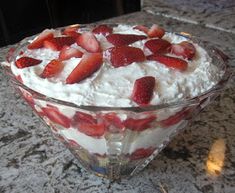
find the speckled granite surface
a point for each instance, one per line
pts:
(218, 14)
(31, 160)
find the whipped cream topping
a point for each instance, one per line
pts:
(111, 86)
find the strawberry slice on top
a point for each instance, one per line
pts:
(143, 90)
(89, 64)
(125, 55)
(25, 61)
(124, 39)
(58, 43)
(68, 52)
(156, 32)
(169, 61)
(88, 41)
(102, 29)
(184, 49)
(157, 45)
(38, 42)
(53, 68)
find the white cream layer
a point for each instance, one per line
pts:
(113, 86)
(132, 141)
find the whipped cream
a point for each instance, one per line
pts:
(132, 141)
(113, 86)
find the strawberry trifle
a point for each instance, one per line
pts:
(105, 90)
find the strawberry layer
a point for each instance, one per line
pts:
(131, 142)
(113, 86)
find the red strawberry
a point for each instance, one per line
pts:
(19, 78)
(156, 31)
(28, 97)
(125, 55)
(174, 119)
(10, 53)
(184, 49)
(73, 143)
(92, 129)
(141, 28)
(56, 116)
(157, 45)
(102, 29)
(69, 52)
(139, 124)
(53, 68)
(58, 43)
(71, 31)
(89, 42)
(90, 63)
(81, 117)
(87, 124)
(141, 153)
(25, 61)
(143, 90)
(171, 62)
(38, 42)
(111, 119)
(124, 39)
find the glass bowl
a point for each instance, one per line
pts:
(102, 142)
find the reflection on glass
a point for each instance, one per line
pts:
(216, 156)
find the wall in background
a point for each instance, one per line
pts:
(27, 17)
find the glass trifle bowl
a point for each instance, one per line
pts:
(116, 141)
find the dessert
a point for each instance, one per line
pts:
(114, 67)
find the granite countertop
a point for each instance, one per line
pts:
(33, 161)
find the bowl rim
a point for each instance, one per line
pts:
(189, 101)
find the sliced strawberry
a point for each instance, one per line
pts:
(56, 116)
(171, 62)
(143, 90)
(174, 119)
(58, 43)
(102, 29)
(139, 124)
(89, 42)
(157, 45)
(96, 130)
(19, 78)
(184, 49)
(89, 63)
(156, 31)
(125, 55)
(81, 117)
(73, 143)
(141, 153)
(111, 119)
(87, 124)
(69, 52)
(28, 97)
(10, 53)
(71, 31)
(53, 68)
(38, 42)
(141, 28)
(124, 39)
(25, 61)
